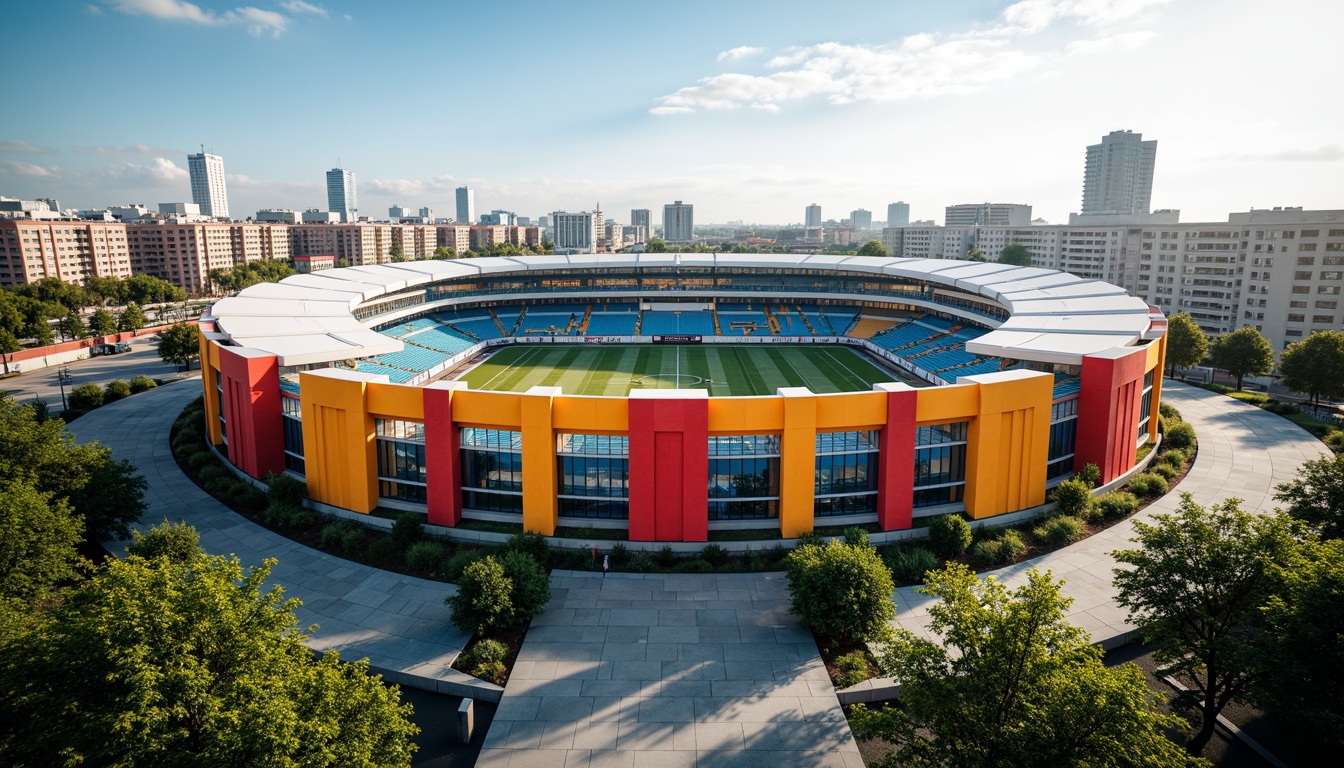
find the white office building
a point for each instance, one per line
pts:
(1118, 175)
(813, 216)
(207, 184)
(861, 219)
(987, 215)
(466, 205)
(898, 214)
(642, 217)
(679, 223)
(576, 232)
(341, 196)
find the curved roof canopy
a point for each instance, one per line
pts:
(1055, 317)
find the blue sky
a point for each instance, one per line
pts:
(747, 113)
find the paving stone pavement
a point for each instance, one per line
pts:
(399, 622)
(1244, 452)
(668, 670)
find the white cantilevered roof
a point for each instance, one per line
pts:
(1054, 317)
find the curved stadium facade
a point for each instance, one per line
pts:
(997, 381)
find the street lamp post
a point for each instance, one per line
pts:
(63, 376)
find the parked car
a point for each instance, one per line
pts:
(109, 349)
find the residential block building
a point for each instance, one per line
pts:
(71, 251)
(679, 223)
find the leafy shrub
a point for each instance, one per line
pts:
(987, 533)
(406, 529)
(214, 472)
(1173, 458)
(755, 560)
(116, 390)
(714, 554)
(856, 537)
(187, 440)
(620, 555)
(382, 550)
(489, 651)
(1167, 411)
(531, 585)
(910, 563)
(810, 539)
(1180, 436)
(423, 555)
(853, 668)
(352, 539)
(642, 562)
(490, 671)
(1148, 485)
(949, 536)
(86, 397)
(1117, 504)
(1090, 474)
(141, 384)
(1282, 409)
(1073, 496)
(200, 460)
(1062, 529)
(1163, 471)
(667, 557)
(252, 498)
(457, 564)
(693, 566)
(533, 544)
(1000, 551)
(178, 542)
(286, 517)
(331, 534)
(286, 490)
(841, 591)
(483, 602)
(1336, 441)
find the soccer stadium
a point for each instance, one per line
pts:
(672, 395)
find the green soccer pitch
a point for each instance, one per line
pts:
(723, 369)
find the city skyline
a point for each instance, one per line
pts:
(933, 105)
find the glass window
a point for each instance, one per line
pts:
(938, 434)
(940, 471)
(401, 460)
(743, 477)
(492, 470)
(846, 473)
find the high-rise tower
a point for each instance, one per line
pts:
(1118, 174)
(466, 206)
(207, 184)
(341, 195)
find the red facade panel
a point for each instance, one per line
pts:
(443, 466)
(1108, 411)
(252, 411)
(669, 469)
(896, 473)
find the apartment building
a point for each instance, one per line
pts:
(454, 237)
(182, 254)
(1294, 271)
(417, 241)
(69, 250)
(358, 244)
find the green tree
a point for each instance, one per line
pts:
(1316, 495)
(102, 323)
(396, 253)
(72, 326)
(159, 663)
(179, 343)
(975, 254)
(101, 290)
(1243, 352)
(1010, 683)
(40, 331)
(1196, 586)
(1302, 656)
(841, 591)
(39, 540)
(1187, 344)
(177, 542)
(108, 495)
(1315, 366)
(483, 601)
(132, 318)
(1015, 254)
(656, 245)
(444, 252)
(872, 248)
(8, 346)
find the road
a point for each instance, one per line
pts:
(142, 360)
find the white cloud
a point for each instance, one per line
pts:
(160, 172)
(298, 6)
(237, 181)
(256, 20)
(15, 168)
(124, 150)
(922, 65)
(740, 52)
(23, 147)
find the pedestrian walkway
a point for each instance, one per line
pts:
(1244, 452)
(669, 670)
(399, 622)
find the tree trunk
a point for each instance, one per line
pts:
(1239, 378)
(1195, 746)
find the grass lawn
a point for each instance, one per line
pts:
(723, 369)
